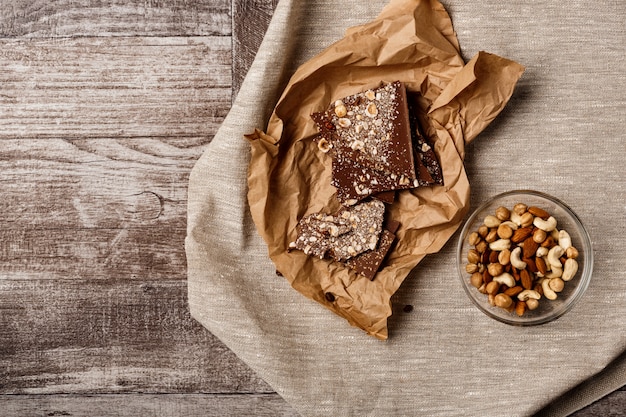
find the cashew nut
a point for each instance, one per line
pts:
(554, 273)
(553, 256)
(569, 269)
(555, 235)
(565, 241)
(526, 219)
(547, 291)
(515, 259)
(506, 279)
(500, 244)
(545, 225)
(541, 251)
(528, 294)
(516, 218)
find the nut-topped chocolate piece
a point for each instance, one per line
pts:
(427, 165)
(376, 148)
(369, 263)
(369, 134)
(343, 235)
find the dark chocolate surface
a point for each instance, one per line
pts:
(369, 134)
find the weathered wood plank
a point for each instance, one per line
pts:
(613, 405)
(145, 405)
(250, 21)
(114, 87)
(110, 335)
(134, 253)
(78, 184)
(65, 18)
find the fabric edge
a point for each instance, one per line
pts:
(610, 379)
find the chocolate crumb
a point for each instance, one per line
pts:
(407, 308)
(330, 297)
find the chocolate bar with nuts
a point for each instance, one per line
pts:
(342, 235)
(369, 133)
(426, 163)
(355, 182)
(368, 263)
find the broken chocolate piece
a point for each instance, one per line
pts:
(426, 163)
(369, 133)
(386, 196)
(343, 235)
(355, 182)
(368, 263)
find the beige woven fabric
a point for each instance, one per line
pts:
(561, 133)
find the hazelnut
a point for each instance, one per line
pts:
(539, 236)
(341, 110)
(520, 208)
(505, 231)
(556, 284)
(502, 300)
(474, 238)
(495, 269)
(571, 252)
(503, 213)
(323, 145)
(476, 279)
(371, 110)
(357, 145)
(343, 122)
(473, 256)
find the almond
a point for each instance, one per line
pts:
(549, 242)
(530, 264)
(541, 265)
(539, 212)
(513, 291)
(521, 234)
(527, 281)
(530, 247)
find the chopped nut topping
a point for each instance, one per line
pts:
(343, 237)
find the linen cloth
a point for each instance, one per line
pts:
(561, 133)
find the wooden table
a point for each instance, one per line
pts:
(104, 108)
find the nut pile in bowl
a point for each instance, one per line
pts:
(524, 258)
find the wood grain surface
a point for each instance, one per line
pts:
(104, 109)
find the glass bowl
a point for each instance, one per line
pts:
(547, 310)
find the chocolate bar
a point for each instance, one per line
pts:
(355, 182)
(377, 147)
(343, 235)
(368, 263)
(369, 133)
(426, 163)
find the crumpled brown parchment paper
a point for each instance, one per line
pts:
(410, 41)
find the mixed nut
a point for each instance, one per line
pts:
(519, 257)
